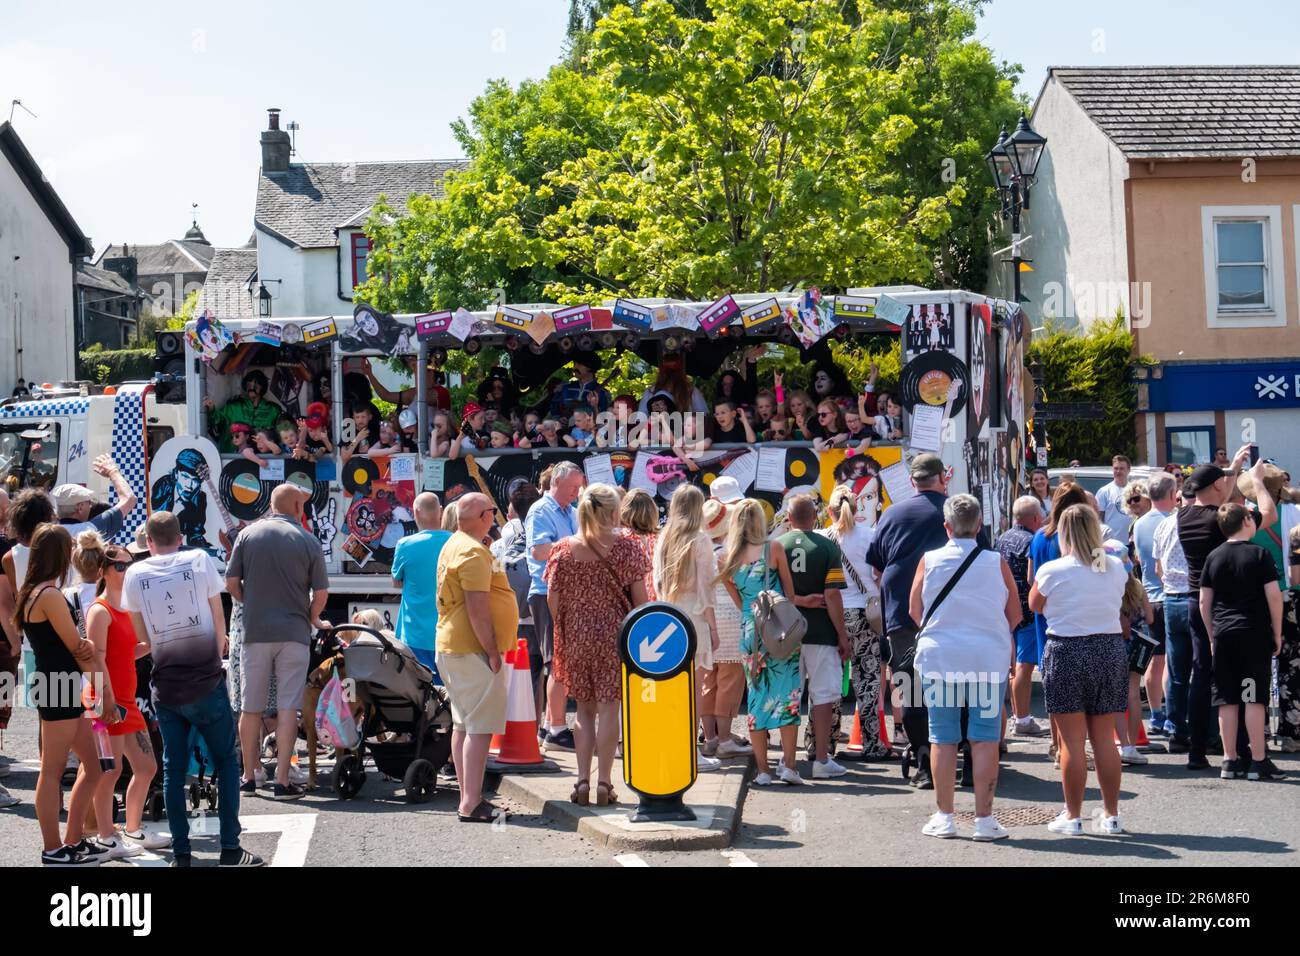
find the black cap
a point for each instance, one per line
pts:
(1204, 476)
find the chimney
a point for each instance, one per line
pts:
(124, 265)
(275, 145)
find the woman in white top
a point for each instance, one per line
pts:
(1085, 664)
(684, 572)
(964, 653)
(853, 526)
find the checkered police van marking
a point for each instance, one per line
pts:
(46, 409)
(128, 452)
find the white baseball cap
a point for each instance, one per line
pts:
(67, 497)
(726, 489)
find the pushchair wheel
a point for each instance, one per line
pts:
(420, 780)
(348, 777)
(196, 796)
(268, 747)
(156, 806)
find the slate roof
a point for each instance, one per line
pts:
(307, 203)
(105, 281)
(1191, 112)
(165, 259)
(230, 289)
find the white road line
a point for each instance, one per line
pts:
(629, 859)
(737, 858)
(295, 831)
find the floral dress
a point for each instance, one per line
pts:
(591, 600)
(774, 685)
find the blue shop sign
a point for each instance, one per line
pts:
(1195, 387)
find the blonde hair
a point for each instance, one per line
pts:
(1131, 489)
(675, 549)
(369, 617)
(597, 510)
(843, 509)
(748, 528)
(640, 513)
(1133, 602)
(88, 556)
(450, 519)
(1079, 532)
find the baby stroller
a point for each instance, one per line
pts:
(398, 697)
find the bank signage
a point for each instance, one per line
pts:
(1195, 387)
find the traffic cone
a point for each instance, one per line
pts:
(884, 734)
(855, 735)
(1142, 740)
(518, 745)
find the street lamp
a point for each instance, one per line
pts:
(263, 301)
(1013, 163)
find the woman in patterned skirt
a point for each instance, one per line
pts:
(750, 564)
(725, 684)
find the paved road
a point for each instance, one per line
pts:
(869, 817)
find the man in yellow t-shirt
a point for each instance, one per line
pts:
(478, 620)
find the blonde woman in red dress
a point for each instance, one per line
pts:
(593, 578)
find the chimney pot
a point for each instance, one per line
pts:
(275, 145)
(273, 116)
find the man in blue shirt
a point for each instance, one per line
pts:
(1162, 489)
(904, 533)
(583, 390)
(550, 519)
(415, 573)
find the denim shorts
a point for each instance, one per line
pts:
(946, 700)
(1027, 644)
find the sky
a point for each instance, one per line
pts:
(144, 108)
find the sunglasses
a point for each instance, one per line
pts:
(119, 566)
(825, 415)
(1135, 499)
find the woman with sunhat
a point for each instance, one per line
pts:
(725, 684)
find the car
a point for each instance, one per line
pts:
(1095, 477)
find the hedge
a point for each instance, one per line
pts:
(105, 367)
(1091, 366)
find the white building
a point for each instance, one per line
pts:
(40, 248)
(309, 223)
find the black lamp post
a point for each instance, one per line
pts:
(263, 301)
(1013, 162)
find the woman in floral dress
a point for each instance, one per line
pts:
(594, 579)
(751, 563)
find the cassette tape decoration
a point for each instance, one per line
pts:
(317, 333)
(575, 318)
(854, 309)
(718, 314)
(632, 316)
(512, 319)
(762, 316)
(432, 324)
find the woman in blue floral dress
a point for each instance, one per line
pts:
(750, 564)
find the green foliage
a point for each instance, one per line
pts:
(704, 146)
(151, 323)
(111, 367)
(1091, 366)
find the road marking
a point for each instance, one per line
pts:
(295, 831)
(629, 859)
(737, 858)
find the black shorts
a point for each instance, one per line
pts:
(543, 627)
(1243, 667)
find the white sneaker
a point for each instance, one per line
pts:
(1066, 825)
(146, 840)
(729, 748)
(1107, 826)
(788, 777)
(118, 849)
(1027, 728)
(763, 780)
(828, 769)
(707, 763)
(987, 829)
(941, 825)
(297, 775)
(259, 777)
(1130, 756)
(7, 799)
(710, 747)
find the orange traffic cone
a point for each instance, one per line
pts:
(518, 745)
(884, 734)
(855, 735)
(1142, 740)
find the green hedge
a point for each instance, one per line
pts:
(105, 367)
(1091, 366)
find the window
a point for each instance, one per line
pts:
(360, 257)
(29, 456)
(1189, 446)
(1244, 285)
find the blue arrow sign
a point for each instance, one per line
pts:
(658, 643)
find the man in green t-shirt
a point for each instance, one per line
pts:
(252, 407)
(816, 568)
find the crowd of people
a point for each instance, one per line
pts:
(1183, 592)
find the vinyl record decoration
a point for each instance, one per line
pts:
(358, 473)
(303, 474)
(243, 493)
(927, 377)
(802, 467)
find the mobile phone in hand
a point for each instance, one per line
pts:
(1254, 455)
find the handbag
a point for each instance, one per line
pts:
(1141, 648)
(780, 625)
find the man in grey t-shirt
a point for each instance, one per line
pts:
(278, 571)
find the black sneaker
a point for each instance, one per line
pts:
(94, 849)
(291, 791)
(240, 857)
(1264, 770)
(68, 856)
(1231, 770)
(922, 781)
(181, 859)
(1178, 745)
(248, 786)
(1197, 762)
(562, 741)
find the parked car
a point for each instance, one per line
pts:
(1094, 477)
